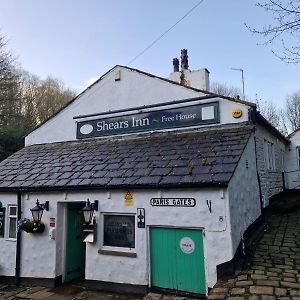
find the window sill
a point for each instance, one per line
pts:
(117, 253)
(11, 239)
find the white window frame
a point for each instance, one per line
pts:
(10, 216)
(298, 156)
(269, 155)
(114, 248)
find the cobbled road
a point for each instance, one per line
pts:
(275, 272)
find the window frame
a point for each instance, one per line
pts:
(269, 155)
(115, 248)
(10, 216)
(298, 156)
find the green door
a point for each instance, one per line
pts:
(75, 247)
(177, 259)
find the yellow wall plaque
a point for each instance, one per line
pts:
(128, 198)
(237, 113)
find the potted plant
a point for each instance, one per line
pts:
(30, 226)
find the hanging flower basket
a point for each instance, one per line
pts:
(31, 226)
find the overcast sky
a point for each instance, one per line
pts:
(77, 41)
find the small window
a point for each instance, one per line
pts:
(269, 155)
(298, 156)
(119, 231)
(12, 222)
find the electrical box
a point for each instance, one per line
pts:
(2, 221)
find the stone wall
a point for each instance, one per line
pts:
(270, 180)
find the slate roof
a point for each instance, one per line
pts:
(197, 158)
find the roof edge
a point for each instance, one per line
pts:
(101, 187)
(256, 117)
(147, 74)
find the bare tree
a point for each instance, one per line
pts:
(224, 90)
(293, 110)
(271, 113)
(29, 84)
(285, 28)
(42, 98)
(51, 95)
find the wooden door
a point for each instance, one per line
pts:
(177, 259)
(75, 247)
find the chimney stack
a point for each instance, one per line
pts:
(176, 64)
(198, 79)
(184, 60)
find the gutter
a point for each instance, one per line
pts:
(19, 239)
(105, 187)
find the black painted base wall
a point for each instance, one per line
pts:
(31, 281)
(243, 255)
(116, 287)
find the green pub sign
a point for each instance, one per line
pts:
(186, 116)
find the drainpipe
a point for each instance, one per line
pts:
(283, 181)
(19, 236)
(252, 120)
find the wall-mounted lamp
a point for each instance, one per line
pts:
(37, 211)
(90, 228)
(88, 211)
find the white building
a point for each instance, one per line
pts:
(292, 159)
(179, 175)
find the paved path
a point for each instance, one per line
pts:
(275, 272)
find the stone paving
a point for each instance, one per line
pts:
(275, 272)
(72, 292)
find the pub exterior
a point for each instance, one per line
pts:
(174, 175)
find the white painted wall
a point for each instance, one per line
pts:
(44, 258)
(38, 252)
(133, 90)
(243, 193)
(271, 180)
(292, 168)
(7, 247)
(198, 79)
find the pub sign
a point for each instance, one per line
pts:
(186, 116)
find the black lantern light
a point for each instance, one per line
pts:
(37, 211)
(88, 211)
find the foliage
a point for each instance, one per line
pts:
(42, 98)
(274, 115)
(11, 140)
(25, 102)
(31, 226)
(285, 27)
(225, 90)
(293, 110)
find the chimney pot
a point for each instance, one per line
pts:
(184, 60)
(176, 64)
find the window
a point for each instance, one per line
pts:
(298, 156)
(12, 222)
(269, 155)
(119, 231)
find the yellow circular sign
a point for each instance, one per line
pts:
(237, 113)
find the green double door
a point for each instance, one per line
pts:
(75, 247)
(177, 259)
